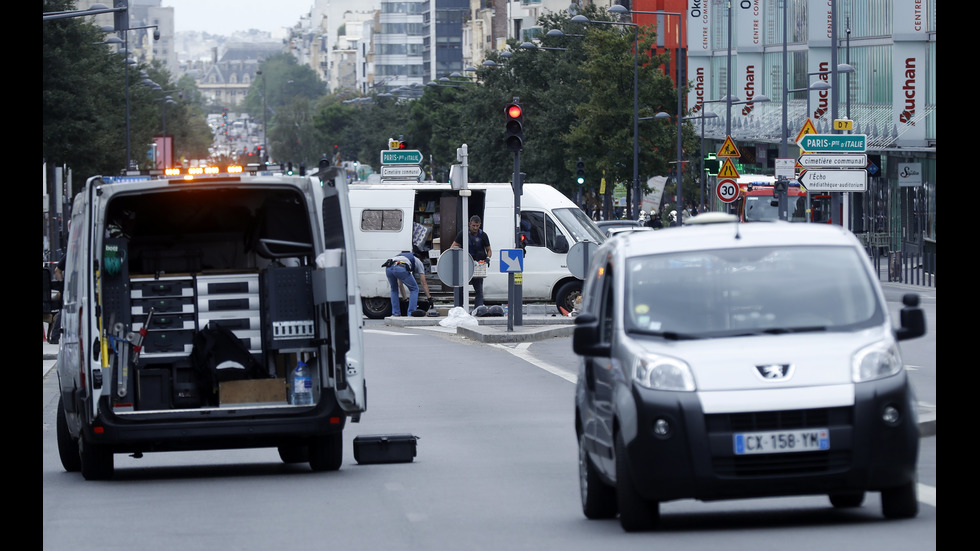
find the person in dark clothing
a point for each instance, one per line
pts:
(403, 268)
(479, 249)
(655, 222)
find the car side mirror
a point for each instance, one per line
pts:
(561, 244)
(586, 339)
(912, 319)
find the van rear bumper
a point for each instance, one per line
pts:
(216, 428)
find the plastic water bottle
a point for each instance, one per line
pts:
(300, 385)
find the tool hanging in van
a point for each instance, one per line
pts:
(122, 357)
(138, 340)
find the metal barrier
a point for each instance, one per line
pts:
(910, 265)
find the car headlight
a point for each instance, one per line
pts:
(663, 373)
(877, 361)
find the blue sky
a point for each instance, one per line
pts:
(223, 17)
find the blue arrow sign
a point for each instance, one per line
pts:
(511, 260)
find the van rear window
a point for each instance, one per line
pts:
(381, 220)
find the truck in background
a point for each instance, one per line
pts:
(394, 216)
(757, 201)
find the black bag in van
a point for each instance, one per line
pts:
(220, 356)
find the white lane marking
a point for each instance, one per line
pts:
(521, 352)
(380, 332)
(927, 495)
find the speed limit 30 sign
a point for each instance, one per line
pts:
(727, 190)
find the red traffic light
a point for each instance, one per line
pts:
(514, 111)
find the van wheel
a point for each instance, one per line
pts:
(376, 308)
(327, 452)
(566, 295)
(635, 513)
(96, 460)
(900, 502)
(598, 498)
(67, 446)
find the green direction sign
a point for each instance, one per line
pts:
(401, 157)
(852, 143)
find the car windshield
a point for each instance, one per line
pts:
(729, 292)
(579, 226)
(761, 209)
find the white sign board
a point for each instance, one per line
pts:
(786, 168)
(834, 180)
(909, 174)
(400, 171)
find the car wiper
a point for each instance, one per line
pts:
(804, 329)
(669, 335)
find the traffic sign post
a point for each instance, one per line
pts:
(579, 257)
(397, 172)
(727, 190)
(401, 157)
(511, 261)
(818, 160)
(834, 143)
(835, 180)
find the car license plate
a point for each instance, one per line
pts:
(782, 441)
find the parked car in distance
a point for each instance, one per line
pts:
(729, 360)
(606, 224)
(615, 230)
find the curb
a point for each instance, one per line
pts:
(498, 334)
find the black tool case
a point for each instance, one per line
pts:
(385, 448)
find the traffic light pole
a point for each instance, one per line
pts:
(515, 291)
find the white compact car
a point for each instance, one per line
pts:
(727, 360)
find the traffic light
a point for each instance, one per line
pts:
(120, 19)
(712, 164)
(522, 240)
(289, 169)
(515, 127)
(396, 144)
(580, 172)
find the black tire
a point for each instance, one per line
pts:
(97, 461)
(327, 452)
(376, 308)
(901, 501)
(635, 513)
(848, 500)
(67, 446)
(566, 295)
(598, 498)
(294, 454)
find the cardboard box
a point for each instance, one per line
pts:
(252, 391)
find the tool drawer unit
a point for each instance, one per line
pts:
(233, 302)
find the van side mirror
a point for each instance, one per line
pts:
(586, 339)
(912, 320)
(561, 244)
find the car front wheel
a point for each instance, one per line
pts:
(598, 498)
(635, 513)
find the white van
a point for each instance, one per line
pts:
(392, 217)
(188, 305)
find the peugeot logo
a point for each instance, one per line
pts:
(774, 371)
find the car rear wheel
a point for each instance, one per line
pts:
(901, 501)
(376, 308)
(67, 446)
(566, 295)
(635, 513)
(598, 498)
(327, 452)
(96, 460)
